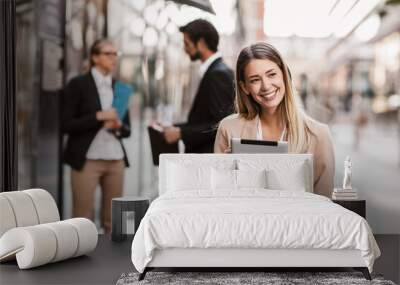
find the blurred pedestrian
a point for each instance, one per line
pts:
(215, 95)
(304, 89)
(360, 109)
(94, 148)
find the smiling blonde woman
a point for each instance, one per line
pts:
(266, 109)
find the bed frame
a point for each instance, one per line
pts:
(242, 259)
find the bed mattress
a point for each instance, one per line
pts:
(250, 219)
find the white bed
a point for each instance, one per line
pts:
(226, 226)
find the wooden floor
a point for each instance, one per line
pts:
(110, 260)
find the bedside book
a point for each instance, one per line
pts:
(344, 194)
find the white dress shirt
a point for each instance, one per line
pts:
(104, 145)
(205, 65)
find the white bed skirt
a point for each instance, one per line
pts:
(235, 257)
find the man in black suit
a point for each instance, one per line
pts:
(215, 95)
(94, 148)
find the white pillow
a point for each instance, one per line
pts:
(227, 179)
(291, 179)
(223, 179)
(182, 177)
(251, 178)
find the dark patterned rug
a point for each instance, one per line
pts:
(270, 278)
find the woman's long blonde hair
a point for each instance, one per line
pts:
(297, 131)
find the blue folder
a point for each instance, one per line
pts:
(122, 93)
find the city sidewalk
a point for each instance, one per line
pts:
(376, 171)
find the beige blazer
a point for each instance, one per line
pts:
(320, 146)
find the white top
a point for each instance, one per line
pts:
(260, 134)
(205, 65)
(104, 145)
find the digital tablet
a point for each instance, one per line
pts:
(257, 146)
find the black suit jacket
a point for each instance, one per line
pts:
(79, 103)
(214, 100)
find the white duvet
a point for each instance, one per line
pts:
(250, 219)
